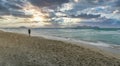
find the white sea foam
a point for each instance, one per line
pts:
(68, 35)
(100, 44)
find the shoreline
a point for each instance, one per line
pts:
(22, 50)
(106, 49)
(109, 50)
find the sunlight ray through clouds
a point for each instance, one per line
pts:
(45, 13)
(36, 14)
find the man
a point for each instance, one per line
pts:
(29, 32)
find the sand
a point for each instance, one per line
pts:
(22, 50)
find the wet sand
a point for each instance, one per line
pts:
(22, 50)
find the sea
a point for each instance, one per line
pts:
(98, 37)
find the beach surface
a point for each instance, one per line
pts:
(22, 50)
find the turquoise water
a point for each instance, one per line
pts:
(91, 35)
(111, 37)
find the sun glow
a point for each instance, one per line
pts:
(76, 0)
(37, 18)
(36, 14)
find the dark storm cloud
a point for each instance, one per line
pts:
(81, 5)
(20, 14)
(3, 11)
(15, 4)
(14, 7)
(43, 3)
(117, 3)
(86, 16)
(2, 8)
(11, 7)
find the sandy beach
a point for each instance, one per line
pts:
(22, 50)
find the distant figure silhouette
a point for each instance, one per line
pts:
(29, 32)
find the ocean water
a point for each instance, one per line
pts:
(92, 36)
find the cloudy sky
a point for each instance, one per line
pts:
(59, 13)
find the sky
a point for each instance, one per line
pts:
(59, 13)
